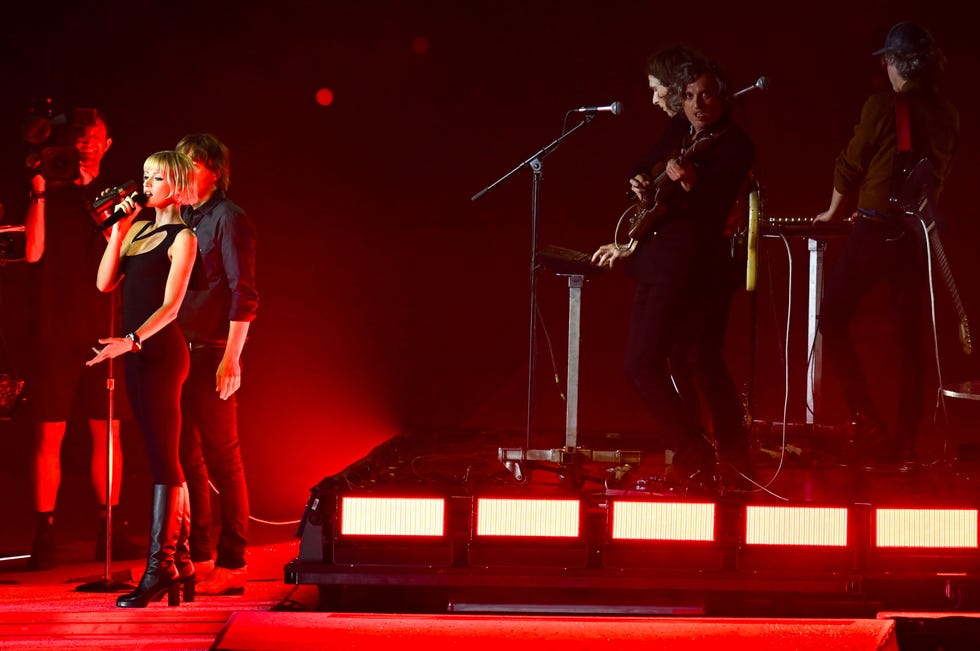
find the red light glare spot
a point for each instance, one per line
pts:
(420, 45)
(324, 97)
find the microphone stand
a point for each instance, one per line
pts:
(536, 163)
(106, 583)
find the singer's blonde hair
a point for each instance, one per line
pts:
(178, 170)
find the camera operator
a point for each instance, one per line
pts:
(63, 240)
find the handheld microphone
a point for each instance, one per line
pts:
(615, 108)
(119, 213)
(114, 195)
(762, 83)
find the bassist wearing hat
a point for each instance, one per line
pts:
(911, 117)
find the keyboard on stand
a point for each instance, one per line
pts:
(566, 262)
(804, 227)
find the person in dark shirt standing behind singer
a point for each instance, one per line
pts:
(215, 320)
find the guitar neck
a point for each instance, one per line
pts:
(936, 245)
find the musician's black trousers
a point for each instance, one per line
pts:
(700, 354)
(677, 327)
(874, 251)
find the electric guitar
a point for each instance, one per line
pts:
(646, 213)
(916, 203)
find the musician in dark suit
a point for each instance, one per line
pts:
(676, 271)
(880, 245)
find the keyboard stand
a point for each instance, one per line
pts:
(816, 236)
(575, 284)
(814, 377)
(571, 456)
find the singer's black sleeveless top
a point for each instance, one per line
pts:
(155, 373)
(146, 276)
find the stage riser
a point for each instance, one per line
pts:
(728, 548)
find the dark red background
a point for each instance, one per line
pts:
(390, 300)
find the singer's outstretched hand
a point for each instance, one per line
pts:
(114, 347)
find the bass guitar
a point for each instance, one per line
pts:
(916, 203)
(646, 213)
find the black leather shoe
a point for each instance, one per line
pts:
(152, 587)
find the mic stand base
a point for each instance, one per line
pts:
(569, 459)
(106, 585)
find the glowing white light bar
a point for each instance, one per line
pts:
(795, 525)
(392, 516)
(944, 528)
(663, 521)
(527, 518)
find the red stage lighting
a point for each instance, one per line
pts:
(663, 521)
(526, 518)
(796, 525)
(392, 516)
(420, 45)
(666, 535)
(391, 530)
(324, 97)
(923, 541)
(926, 528)
(810, 539)
(512, 532)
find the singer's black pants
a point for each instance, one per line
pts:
(154, 377)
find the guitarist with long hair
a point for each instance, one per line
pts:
(674, 255)
(881, 245)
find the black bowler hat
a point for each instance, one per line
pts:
(905, 38)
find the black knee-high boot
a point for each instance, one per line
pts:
(182, 557)
(161, 574)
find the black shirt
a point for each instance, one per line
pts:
(696, 219)
(72, 309)
(222, 287)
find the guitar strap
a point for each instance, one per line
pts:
(903, 139)
(904, 144)
(905, 160)
(902, 122)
